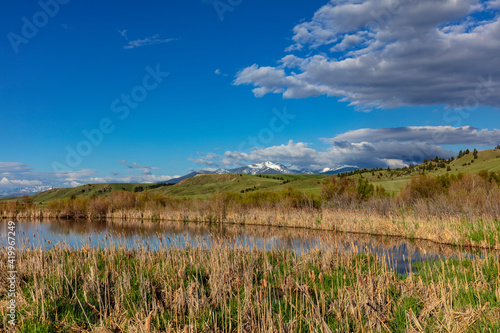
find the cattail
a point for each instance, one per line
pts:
(147, 325)
(312, 276)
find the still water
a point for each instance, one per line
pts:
(398, 253)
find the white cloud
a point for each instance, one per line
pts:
(155, 39)
(16, 182)
(388, 53)
(135, 165)
(394, 163)
(379, 147)
(142, 178)
(295, 153)
(267, 79)
(206, 160)
(443, 135)
(123, 33)
(19, 178)
(494, 4)
(219, 72)
(340, 153)
(7, 168)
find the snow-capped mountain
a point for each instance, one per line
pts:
(20, 191)
(266, 168)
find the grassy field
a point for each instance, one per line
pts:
(205, 185)
(197, 187)
(394, 181)
(85, 191)
(224, 289)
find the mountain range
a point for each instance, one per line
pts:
(20, 191)
(263, 168)
(266, 168)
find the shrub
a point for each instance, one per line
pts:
(333, 187)
(421, 187)
(122, 200)
(364, 189)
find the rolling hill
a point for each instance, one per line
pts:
(202, 185)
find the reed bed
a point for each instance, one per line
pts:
(481, 231)
(224, 288)
(449, 209)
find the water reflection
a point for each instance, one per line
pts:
(398, 253)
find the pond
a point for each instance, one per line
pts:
(398, 253)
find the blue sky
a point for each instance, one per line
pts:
(234, 67)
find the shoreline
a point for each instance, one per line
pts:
(334, 220)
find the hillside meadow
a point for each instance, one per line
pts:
(203, 186)
(435, 203)
(222, 288)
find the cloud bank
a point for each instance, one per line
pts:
(388, 53)
(19, 178)
(365, 148)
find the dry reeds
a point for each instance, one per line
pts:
(226, 289)
(461, 210)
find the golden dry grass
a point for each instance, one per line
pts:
(225, 289)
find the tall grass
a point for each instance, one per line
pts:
(226, 289)
(461, 209)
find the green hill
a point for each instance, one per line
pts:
(203, 185)
(395, 180)
(392, 180)
(86, 191)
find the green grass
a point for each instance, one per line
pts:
(83, 191)
(226, 289)
(205, 185)
(395, 180)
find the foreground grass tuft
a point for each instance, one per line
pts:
(225, 289)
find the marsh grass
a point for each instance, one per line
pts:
(449, 209)
(239, 289)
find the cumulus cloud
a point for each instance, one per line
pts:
(388, 53)
(207, 160)
(7, 168)
(135, 165)
(295, 153)
(219, 72)
(494, 4)
(445, 135)
(19, 178)
(6, 182)
(338, 154)
(370, 148)
(141, 178)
